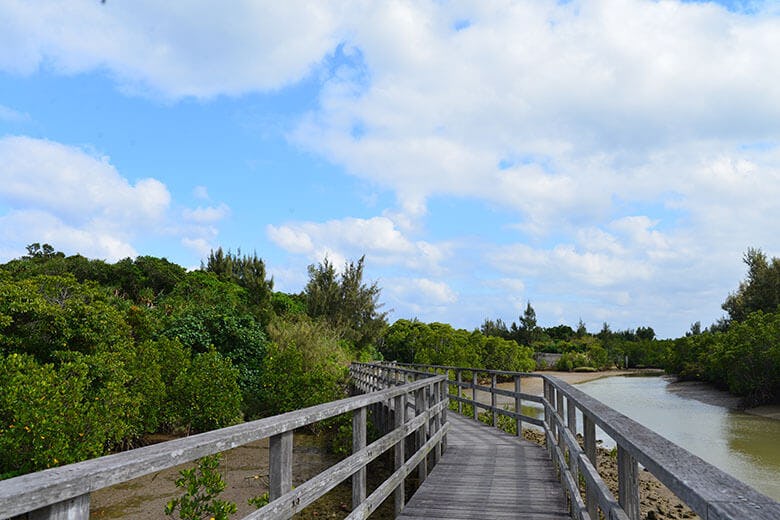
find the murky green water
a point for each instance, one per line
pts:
(743, 445)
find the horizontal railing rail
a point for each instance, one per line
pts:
(708, 491)
(64, 492)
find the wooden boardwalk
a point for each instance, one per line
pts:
(486, 473)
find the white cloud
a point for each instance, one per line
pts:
(12, 116)
(635, 143)
(378, 238)
(77, 186)
(424, 298)
(200, 192)
(622, 132)
(201, 246)
(195, 49)
(23, 227)
(206, 214)
(552, 109)
(78, 201)
(434, 292)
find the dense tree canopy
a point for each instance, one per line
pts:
(95, 355)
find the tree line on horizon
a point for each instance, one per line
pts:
(740, 352)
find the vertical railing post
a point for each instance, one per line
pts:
(628, 483)
(474, 393)
(571, 421)
(493, 400)
(571, 415)
(76, 508)
(436, 398)
(559, 410)
(445, 394)
(546, 394)
(459, 379)
(280, 464)
(518, 406)
(399, 455)
(358, 443)
(419, 407)
(589, 434)
(429, 396)
(548, 391)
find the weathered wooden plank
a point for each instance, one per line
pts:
(486, 473)
(399, 455)
(506, 393)
(501, 411)
(518, 406)
(358, 443)
(280, 464)
(303, 495)
(74, 509)
(628, 483)
(397, 478)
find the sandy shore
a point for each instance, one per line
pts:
(534, 385)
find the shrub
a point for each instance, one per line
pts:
(58, 415)
(209, 396)
(306, 365)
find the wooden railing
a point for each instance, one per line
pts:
(710, 492)
(63, 493)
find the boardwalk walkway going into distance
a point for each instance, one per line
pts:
(487, 473)
(426, 417)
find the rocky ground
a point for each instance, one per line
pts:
(656, 501)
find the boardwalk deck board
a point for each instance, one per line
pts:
(486, 473)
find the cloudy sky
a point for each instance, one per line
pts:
(606, 160)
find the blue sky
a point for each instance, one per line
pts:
(607, 160)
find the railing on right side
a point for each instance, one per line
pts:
(710, 492)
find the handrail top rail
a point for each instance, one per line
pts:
(464, 369)
(397, 366)
(54, 485)
(704, 487)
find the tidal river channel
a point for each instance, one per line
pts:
(701, 420)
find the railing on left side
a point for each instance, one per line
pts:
(63, 493)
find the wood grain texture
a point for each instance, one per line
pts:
(486, 473)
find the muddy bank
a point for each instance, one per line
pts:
(770, 411)
(703, 392)
(709, 394)
(245, 470)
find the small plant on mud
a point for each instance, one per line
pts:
(506, 423)
(203, 485)
(259, 501)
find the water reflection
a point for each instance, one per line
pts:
(743, 445)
